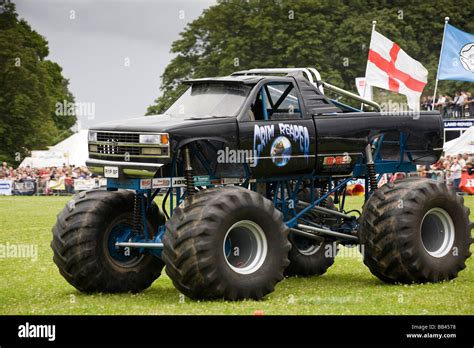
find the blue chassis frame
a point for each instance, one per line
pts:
(284, 197)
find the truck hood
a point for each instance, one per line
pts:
(161, 123)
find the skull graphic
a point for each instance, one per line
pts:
(467, 57)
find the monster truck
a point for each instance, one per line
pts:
(253, 170)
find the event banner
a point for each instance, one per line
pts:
(89, 184)
(57, 184)
(6, 187)
(41, 159)
(85, 184)
(24, 187)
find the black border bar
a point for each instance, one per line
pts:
(242, 330)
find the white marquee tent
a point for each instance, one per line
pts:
(72, 151)
(463, 144)
(76, 148)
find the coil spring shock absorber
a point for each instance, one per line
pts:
(188, 173)
(137, 214)
(322, 191)
(371, 168)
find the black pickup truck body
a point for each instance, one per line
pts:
(263, 117)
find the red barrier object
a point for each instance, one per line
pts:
(467, 183)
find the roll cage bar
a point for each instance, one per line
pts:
(314, 77)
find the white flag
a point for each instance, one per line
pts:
(363, 89)
(389, 67)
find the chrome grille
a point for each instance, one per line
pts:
(118, 137)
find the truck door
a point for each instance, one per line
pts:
(277, 134)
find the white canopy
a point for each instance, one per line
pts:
(75, 148)
(71, 151)
(463, 144)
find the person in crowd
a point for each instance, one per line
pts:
(443, 105)
(456, 173)
(43, 179)
(461, 160)
(52, 173)
(427, 103)
(84, 173)
(470, 104)
(437, 170)
(464, 104)
(69, 183)
(458, 105)
(469, 168)
(448, 107)
(447, 173)
(440, 102)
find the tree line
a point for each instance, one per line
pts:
(30, 88)
(331, 35)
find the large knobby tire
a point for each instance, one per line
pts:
(309, 257)
(83, 245)
(226, 243)
(415, 231)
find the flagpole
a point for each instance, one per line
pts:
(446, 20)
(374, 23)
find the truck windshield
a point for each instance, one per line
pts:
(210, 100)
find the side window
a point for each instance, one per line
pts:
(276, 101)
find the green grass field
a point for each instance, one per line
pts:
(36, 287)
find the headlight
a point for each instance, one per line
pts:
(92, 136)
(153, 139)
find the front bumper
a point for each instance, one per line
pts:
(125, 169)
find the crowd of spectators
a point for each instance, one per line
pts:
(461, 105)
(449, 169)
(45, 176)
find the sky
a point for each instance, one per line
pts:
(112, 51)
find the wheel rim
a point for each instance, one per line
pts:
(437, 232)
(127, 258)
(305, 246)
(245, 247)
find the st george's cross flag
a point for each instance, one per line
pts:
(389, 67)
